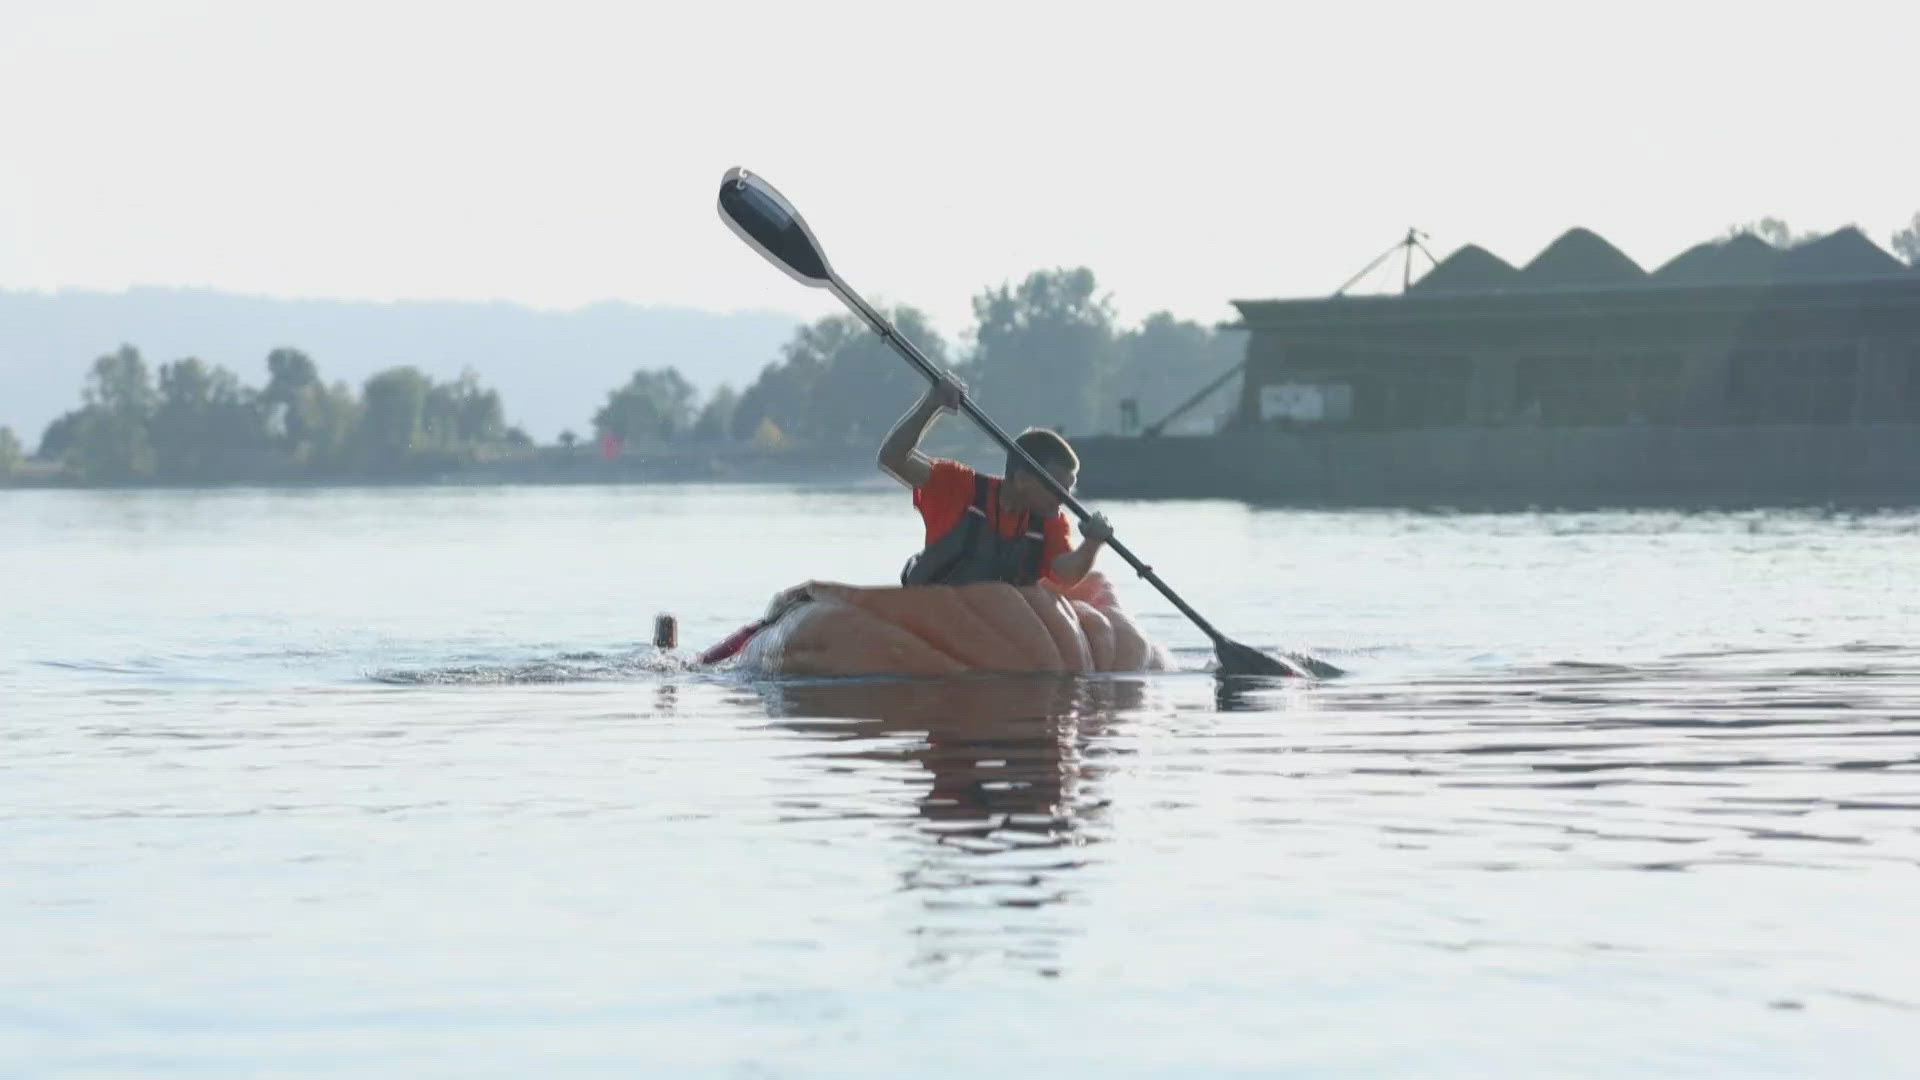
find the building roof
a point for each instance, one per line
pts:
(1580, 258)
(1470, 269)
(1843, 254)
(1741, 259)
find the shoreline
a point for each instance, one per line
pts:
(546, 466)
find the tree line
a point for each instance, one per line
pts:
(1046, 351)
(192, 420)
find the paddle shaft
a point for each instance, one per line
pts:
(933, 373)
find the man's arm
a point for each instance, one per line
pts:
(1070, 566)
(900, 455)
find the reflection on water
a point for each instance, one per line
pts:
(1607, 794)
(1007, 797)
(1246, 693)
(1759, 760)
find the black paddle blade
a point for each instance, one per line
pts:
(1315, 666)
(1238, 659)
(770, 225)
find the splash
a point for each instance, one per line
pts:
(562, 668)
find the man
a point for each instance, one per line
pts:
(986, 528)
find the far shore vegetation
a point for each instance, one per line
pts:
(1046, 350)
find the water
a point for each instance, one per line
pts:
(387, 782)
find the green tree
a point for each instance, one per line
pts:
(716, 416)
(112, 440)
(836, 381)
(862, 386)
(61, 436)
(1906, 242)
(462, 413)
(1043, 349)
(393, 403)
(1163, 362)
(782, 396)
(335, 413)
(652, 405)
(9, 451)
(204, 416)
(119, 382)
(292, 381)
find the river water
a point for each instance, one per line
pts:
(388, 782)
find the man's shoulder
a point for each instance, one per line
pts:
(945, 474)
(950, 468)
(949, 485)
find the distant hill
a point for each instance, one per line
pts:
(552, 369)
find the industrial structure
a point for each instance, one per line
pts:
(1737, 373)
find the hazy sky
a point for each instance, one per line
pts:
(558, 153)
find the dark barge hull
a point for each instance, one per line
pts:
(1518, 468)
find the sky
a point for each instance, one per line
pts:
(556, 154)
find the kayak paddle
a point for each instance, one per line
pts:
(770, 225)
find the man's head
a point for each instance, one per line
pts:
(1028, 492)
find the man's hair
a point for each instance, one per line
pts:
(1047, 447)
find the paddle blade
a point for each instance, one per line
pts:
(771, 226)
(1238, 659)
(1315, 666)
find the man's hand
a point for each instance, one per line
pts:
(947, 392)
(1070, 566)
